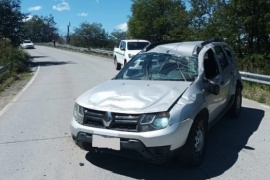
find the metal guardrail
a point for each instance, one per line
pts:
(257, 78)
(101, 51)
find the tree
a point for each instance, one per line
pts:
(89, 35)
(245, 25)
(11, 20)
(118, 35)
(41, 29)
(156, 20)
(200, 14)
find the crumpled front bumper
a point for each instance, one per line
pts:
(129, 148)
(155, 146)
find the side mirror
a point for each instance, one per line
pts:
(122, 48)
(214, 88)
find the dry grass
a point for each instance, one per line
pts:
(9, 81)
(257, 92)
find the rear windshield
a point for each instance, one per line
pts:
(136, 45)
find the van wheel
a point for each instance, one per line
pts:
(235, 109)
(116, 64)
(194, 149)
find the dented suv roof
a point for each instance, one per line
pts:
(184, 48)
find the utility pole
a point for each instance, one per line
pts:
(68, 37)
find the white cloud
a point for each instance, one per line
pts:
(28, 18)
(122, 27)
(82, 14)
(62, 6)
(36, 8)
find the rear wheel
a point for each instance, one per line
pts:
(116, 64)
(237, 103)
(194, 149)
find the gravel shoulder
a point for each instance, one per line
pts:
(8, 94)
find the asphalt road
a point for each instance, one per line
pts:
(35, 140)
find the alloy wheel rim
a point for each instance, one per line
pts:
(199, 140)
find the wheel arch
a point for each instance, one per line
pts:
(204, 113)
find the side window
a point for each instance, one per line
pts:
(210, 65)
(229, 53)
(222, 59)
(122, 45)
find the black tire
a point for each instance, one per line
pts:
(194, 149)
(116, 64)
(235, 109)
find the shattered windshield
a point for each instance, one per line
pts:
(160, 66)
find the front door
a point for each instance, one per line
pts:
(213, 72)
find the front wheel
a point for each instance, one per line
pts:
(194, 149)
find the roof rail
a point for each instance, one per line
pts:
(199, 47)
(153, 45)
(210, 40)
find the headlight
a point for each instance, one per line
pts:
(78, 113)
(151, 122)
(130, 55)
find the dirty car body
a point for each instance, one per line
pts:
(161, 103)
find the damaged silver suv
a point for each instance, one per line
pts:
(161, 103)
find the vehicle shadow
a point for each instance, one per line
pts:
(35, 57)
(50, 63)
(226, 139)
(47, 63)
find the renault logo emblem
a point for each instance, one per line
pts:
(107, 119)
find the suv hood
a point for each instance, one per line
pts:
(133, 96)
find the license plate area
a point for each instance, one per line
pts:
(106, 142)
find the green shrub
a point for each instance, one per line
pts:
(12, 59)
(255, 63)
(14, 62)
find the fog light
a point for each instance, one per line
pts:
(160, 151)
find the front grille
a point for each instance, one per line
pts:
(119, 121)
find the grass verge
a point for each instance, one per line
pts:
(9, 81)
(257, 92)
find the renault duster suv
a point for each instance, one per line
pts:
(161, 103)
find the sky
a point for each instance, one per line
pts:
(112, 14)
